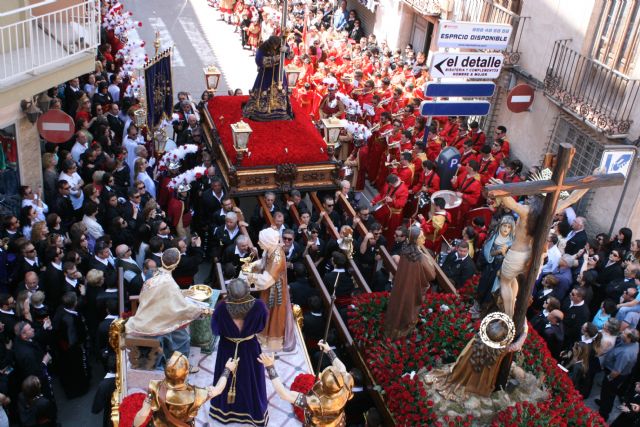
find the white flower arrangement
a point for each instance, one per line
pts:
(176, 155)
(188, 177)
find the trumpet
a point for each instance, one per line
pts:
(393, 163)
(375, 127)
(386, 133)
(385, 101)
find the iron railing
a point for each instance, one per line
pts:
(35, 41)
(590, 91)
(490, 11)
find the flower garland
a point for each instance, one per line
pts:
(188, 177)
(444, 328)
(177, 154)
(303, 383)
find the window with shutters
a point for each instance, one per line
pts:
(616, 39)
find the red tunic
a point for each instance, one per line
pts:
(467, 156)
(176, 210)
(471, 189)
(390, 215)
(478, 138)
(487, 169)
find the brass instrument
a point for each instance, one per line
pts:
(385, 101)
(386, 133)
(375, 127)
(393, 163)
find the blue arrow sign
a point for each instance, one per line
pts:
(454, 108)
(464, 89)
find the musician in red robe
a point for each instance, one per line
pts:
(391, 201)
(434, 144)
(468, 153)
(435, 227)
(501, 134)
(378, 145)
(408, 118)
(470, 189)
(477, 136)
(449, 131)
(405, 169)
(419, 156)
(488, 165)
(428, 183)
(391, 154)
(461, 137)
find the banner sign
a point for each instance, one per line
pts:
(158, 88)
(466, 65)
(473, 35)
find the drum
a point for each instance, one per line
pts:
(453, 202)
(451, 198)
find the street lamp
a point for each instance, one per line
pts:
(212, 77)
(332, 127)
(241, 133)
(30, 110)
(292, 73)
(160, 141)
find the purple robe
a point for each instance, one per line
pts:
(250, 406)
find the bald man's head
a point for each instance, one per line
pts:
(121, 251)
(31, 280)
(555, 317)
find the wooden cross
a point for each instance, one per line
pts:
(552, 187)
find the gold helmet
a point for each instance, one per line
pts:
(331, 381)
(177, 369)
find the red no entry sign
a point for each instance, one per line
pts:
(520, 98)
(56, 126)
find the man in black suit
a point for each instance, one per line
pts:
(155, 249)
(344, 285)
(62, 204)
(28, 262)
(225, 235)
(258, 221)
(576, 313)
(191, 257)
(72, 280)
(53, 277)
(233, 253)
(102, 336)
(577, 237)
(30, 358)
(131, 211)
(211, 200)
(131, 270)
(458, 266)
(7, 314)
(553, 333)
(301, 289)
(72, 93)
(328, 208)
(115, 122)
(292, 251)
(314, 322)
(101, 262)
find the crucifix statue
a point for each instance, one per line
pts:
(486, 362)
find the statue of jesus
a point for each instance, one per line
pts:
(517, 257)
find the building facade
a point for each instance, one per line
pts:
(42, 45)
(580, 56)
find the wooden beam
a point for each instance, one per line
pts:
(359, 278)
(296, 216)
(548, 186)
(346, 338)
(265, 211)
(220, 277)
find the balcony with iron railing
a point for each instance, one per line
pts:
(597, 95)
(46, 36)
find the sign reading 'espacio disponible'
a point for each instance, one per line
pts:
(466, 65)
(473, 35)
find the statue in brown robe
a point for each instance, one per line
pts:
(412, 279)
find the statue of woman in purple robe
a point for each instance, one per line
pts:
(237, 320)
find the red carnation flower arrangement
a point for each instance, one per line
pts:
(129, 407)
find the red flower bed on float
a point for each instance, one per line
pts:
(444, 328)
(129, 407)
(303, 383)
(271, 143)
